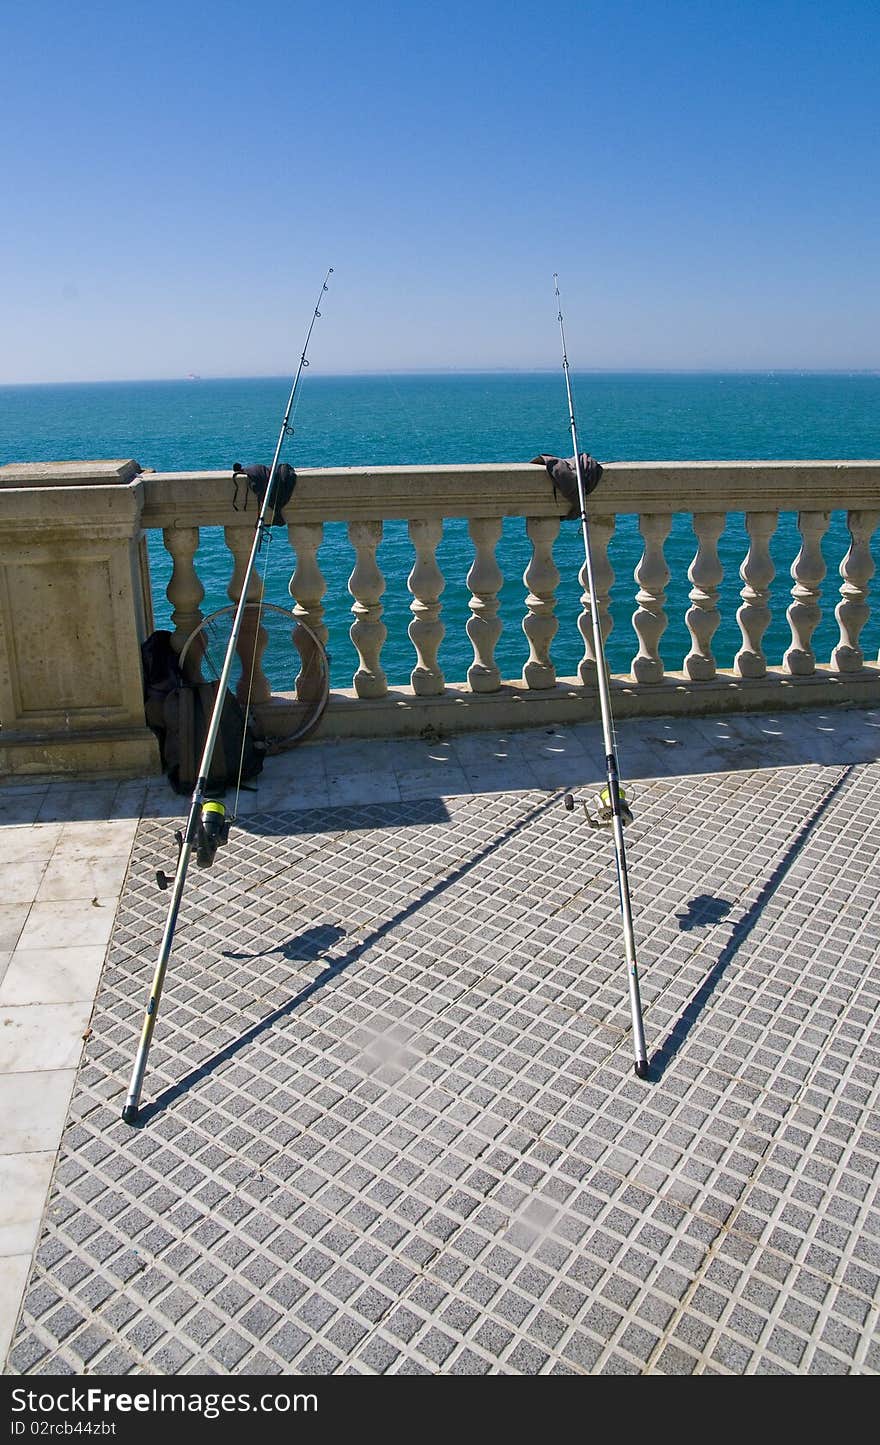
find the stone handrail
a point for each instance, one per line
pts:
(351, 494)
(364, 498)
(76, 596)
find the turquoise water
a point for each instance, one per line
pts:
(411, 419)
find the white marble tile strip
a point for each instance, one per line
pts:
(60, 882)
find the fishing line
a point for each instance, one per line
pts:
(251, 675)
(613, 808)
(287, 429)
(207, 826)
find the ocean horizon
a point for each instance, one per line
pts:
(549, 370)
(471, 416)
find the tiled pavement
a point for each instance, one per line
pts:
(390, 1118)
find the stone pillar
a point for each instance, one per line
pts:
(601, 532)
(253, 638)
(649, 618)
(74, 609)
(541, 577)
(703, 617)
(368, 632)
(757, 572)
(805, 612)
(485, 580)
(853, 610)
(426, 583)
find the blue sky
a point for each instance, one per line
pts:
(178, 177)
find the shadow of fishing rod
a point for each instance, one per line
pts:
(661, 1060)
(299, 947)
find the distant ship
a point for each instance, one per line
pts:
(193, 376)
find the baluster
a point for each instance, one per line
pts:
(757, 572)
(805, 612)
(601, 532)
(540, 626)
(307, 587)
(703, 617)
(366, 585)
(484, 625)
(426, 583)
(652, 575)
(184, 590)
(856, 569)
(253, 684)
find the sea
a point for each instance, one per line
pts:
(473, 417)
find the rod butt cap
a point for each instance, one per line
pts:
(641, 1068)
(129, 1113)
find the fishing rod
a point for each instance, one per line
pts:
(207, 826)
(614, 811)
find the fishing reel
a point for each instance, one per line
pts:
(212, 830)
(604, 809)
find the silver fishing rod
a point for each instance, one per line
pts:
(615, 809)
(206, 824)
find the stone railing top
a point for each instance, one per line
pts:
(205, 498)
(50, 501)
(189, 499)
(68, 474)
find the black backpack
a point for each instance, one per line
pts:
(180, 712)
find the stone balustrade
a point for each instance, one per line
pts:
(655, 492)
(179, 505)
